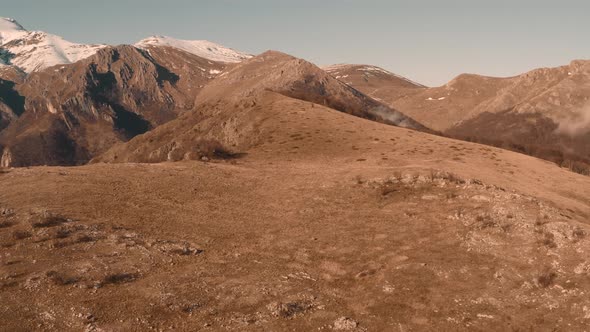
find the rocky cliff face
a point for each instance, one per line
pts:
(74, 112)
(11, 103)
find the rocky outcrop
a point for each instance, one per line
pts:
(11, 103)
(6, 159)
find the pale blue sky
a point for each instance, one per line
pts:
(427, 41)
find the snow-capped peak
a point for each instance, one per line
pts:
(202, 48)
(35, 50)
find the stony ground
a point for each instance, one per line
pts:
(329, 222)
(297, 246)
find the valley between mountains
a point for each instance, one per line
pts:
(177, 185)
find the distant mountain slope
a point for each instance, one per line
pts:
(545, 112)
(376, 82)
(297, 78)
(243, 107)
(529, 133)
(558, 93)
(372, 76)
(442, 107)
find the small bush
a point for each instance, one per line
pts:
(85, 239)
(577, 166)
(213, 149)
(549, 240)
(387, 188)
(486, 221)
(432, 175)
(119, 278)
(189, 308)
(49, 220)
(21, 235)
(359, 179)
(547, 278)
(287, 310)
(7, 224)
(578, 234)
(60, 279)
(62, 233)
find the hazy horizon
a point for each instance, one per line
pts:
(426, 41)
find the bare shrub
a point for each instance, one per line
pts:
(213, 149)
(547, 278)
(578, 234)
(359, 179)
(85, 238)
(119, 278)
(432, 175)
(549, 240)
(387, 188)
(450, 177)
(62, 233)
(485, 221)
(21, 235)
(61, 279)
(7, 224)
(290, 309)
(49, 220)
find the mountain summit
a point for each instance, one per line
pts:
(34, 50)
(202, 48)
(31, 51)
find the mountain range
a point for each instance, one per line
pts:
(65, 103)
(175, 185)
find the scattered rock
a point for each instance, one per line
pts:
(345, 324)
(481, 198)
(6, 212)
(290, 309)
(429, 197)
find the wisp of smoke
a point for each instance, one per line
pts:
(576, 125)
(390, 116)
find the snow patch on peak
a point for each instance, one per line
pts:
(201, 48)
(339, 68)
(36, 50)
